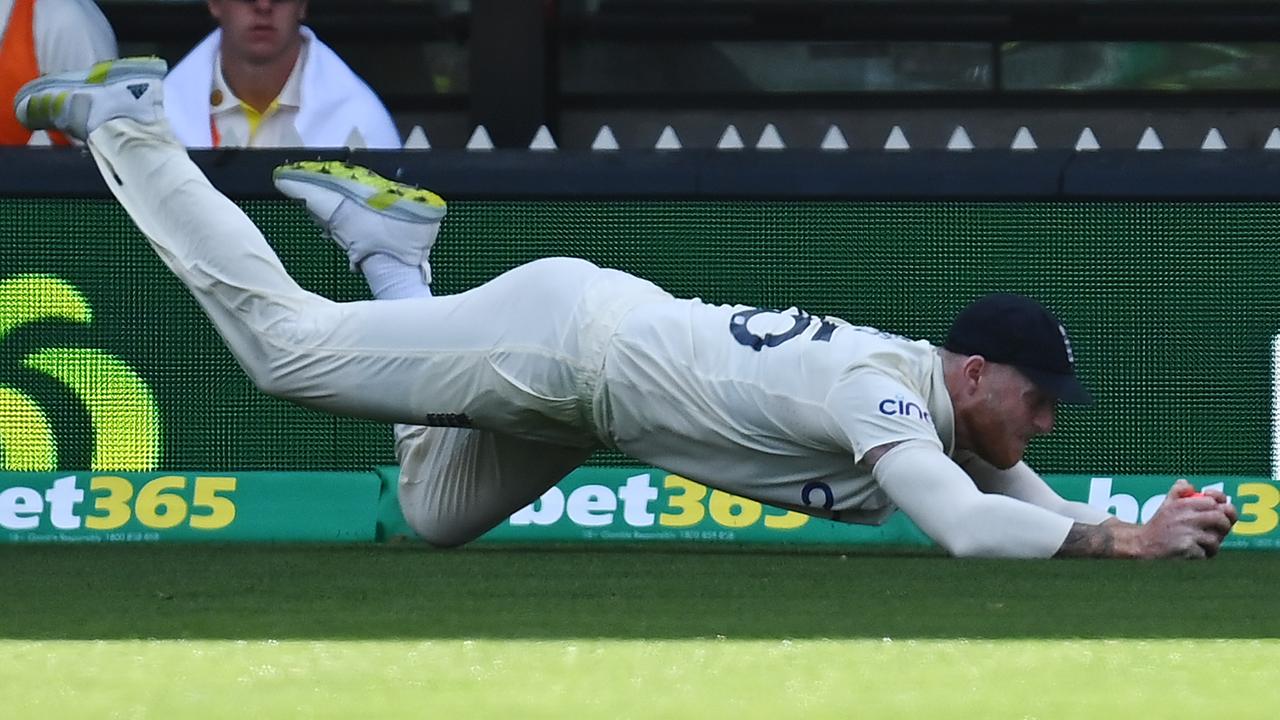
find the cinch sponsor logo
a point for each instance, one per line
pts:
(899, 405)
(108, 502)
(120, 406)
(637, 504)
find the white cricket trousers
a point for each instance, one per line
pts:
(518, 358)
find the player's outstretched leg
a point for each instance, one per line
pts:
(116, 107)
(408, 361)
(455, 483)
(488, 357)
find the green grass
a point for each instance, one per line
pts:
(323, 632)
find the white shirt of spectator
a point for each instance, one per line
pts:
(235, 124)
(334, 100)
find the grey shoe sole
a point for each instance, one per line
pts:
(387, 197)
(60, 101)
(109, 71)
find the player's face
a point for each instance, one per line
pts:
(1010, 410)
(259, 31)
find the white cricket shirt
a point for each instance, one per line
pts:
(775, 405)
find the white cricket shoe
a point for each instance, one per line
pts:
(78, 102)
(365, 212)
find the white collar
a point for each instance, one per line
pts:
(223, 99)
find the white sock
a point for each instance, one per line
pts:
(391, 279)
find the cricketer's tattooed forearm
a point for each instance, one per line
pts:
(1096, 541)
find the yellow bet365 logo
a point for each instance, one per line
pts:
(121, 409)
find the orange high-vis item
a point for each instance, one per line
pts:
(18, 66)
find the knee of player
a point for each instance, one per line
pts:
(442, 538)
(436, 528)
(445, 542)
(305, 388)
(286, 365)
(273, 385)
(287, 376)
(266, 371)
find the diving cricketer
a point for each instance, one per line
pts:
(500, 391)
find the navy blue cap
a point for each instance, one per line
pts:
(1016, 330)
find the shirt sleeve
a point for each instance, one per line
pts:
(71, 35)
(873, 408)
(943, 501)
(1025, 484)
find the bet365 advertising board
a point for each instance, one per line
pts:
(592, 505)
(640, 505)
(168, 506)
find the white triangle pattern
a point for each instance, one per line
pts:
(834, 140)
(604, 139)
(480, 139)
(1087, 142)
(417, 139)
(542, 140)
(1213, 140)
(668, 140)
(1150, 140)
(731, 139)
(959, 140)
(897, 140)
(770, 139)
(1022, 140)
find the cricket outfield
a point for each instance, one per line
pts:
(262, 631)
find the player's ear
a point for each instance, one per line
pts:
(972, 370)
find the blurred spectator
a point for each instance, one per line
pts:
(41, 37)
(264, 80)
